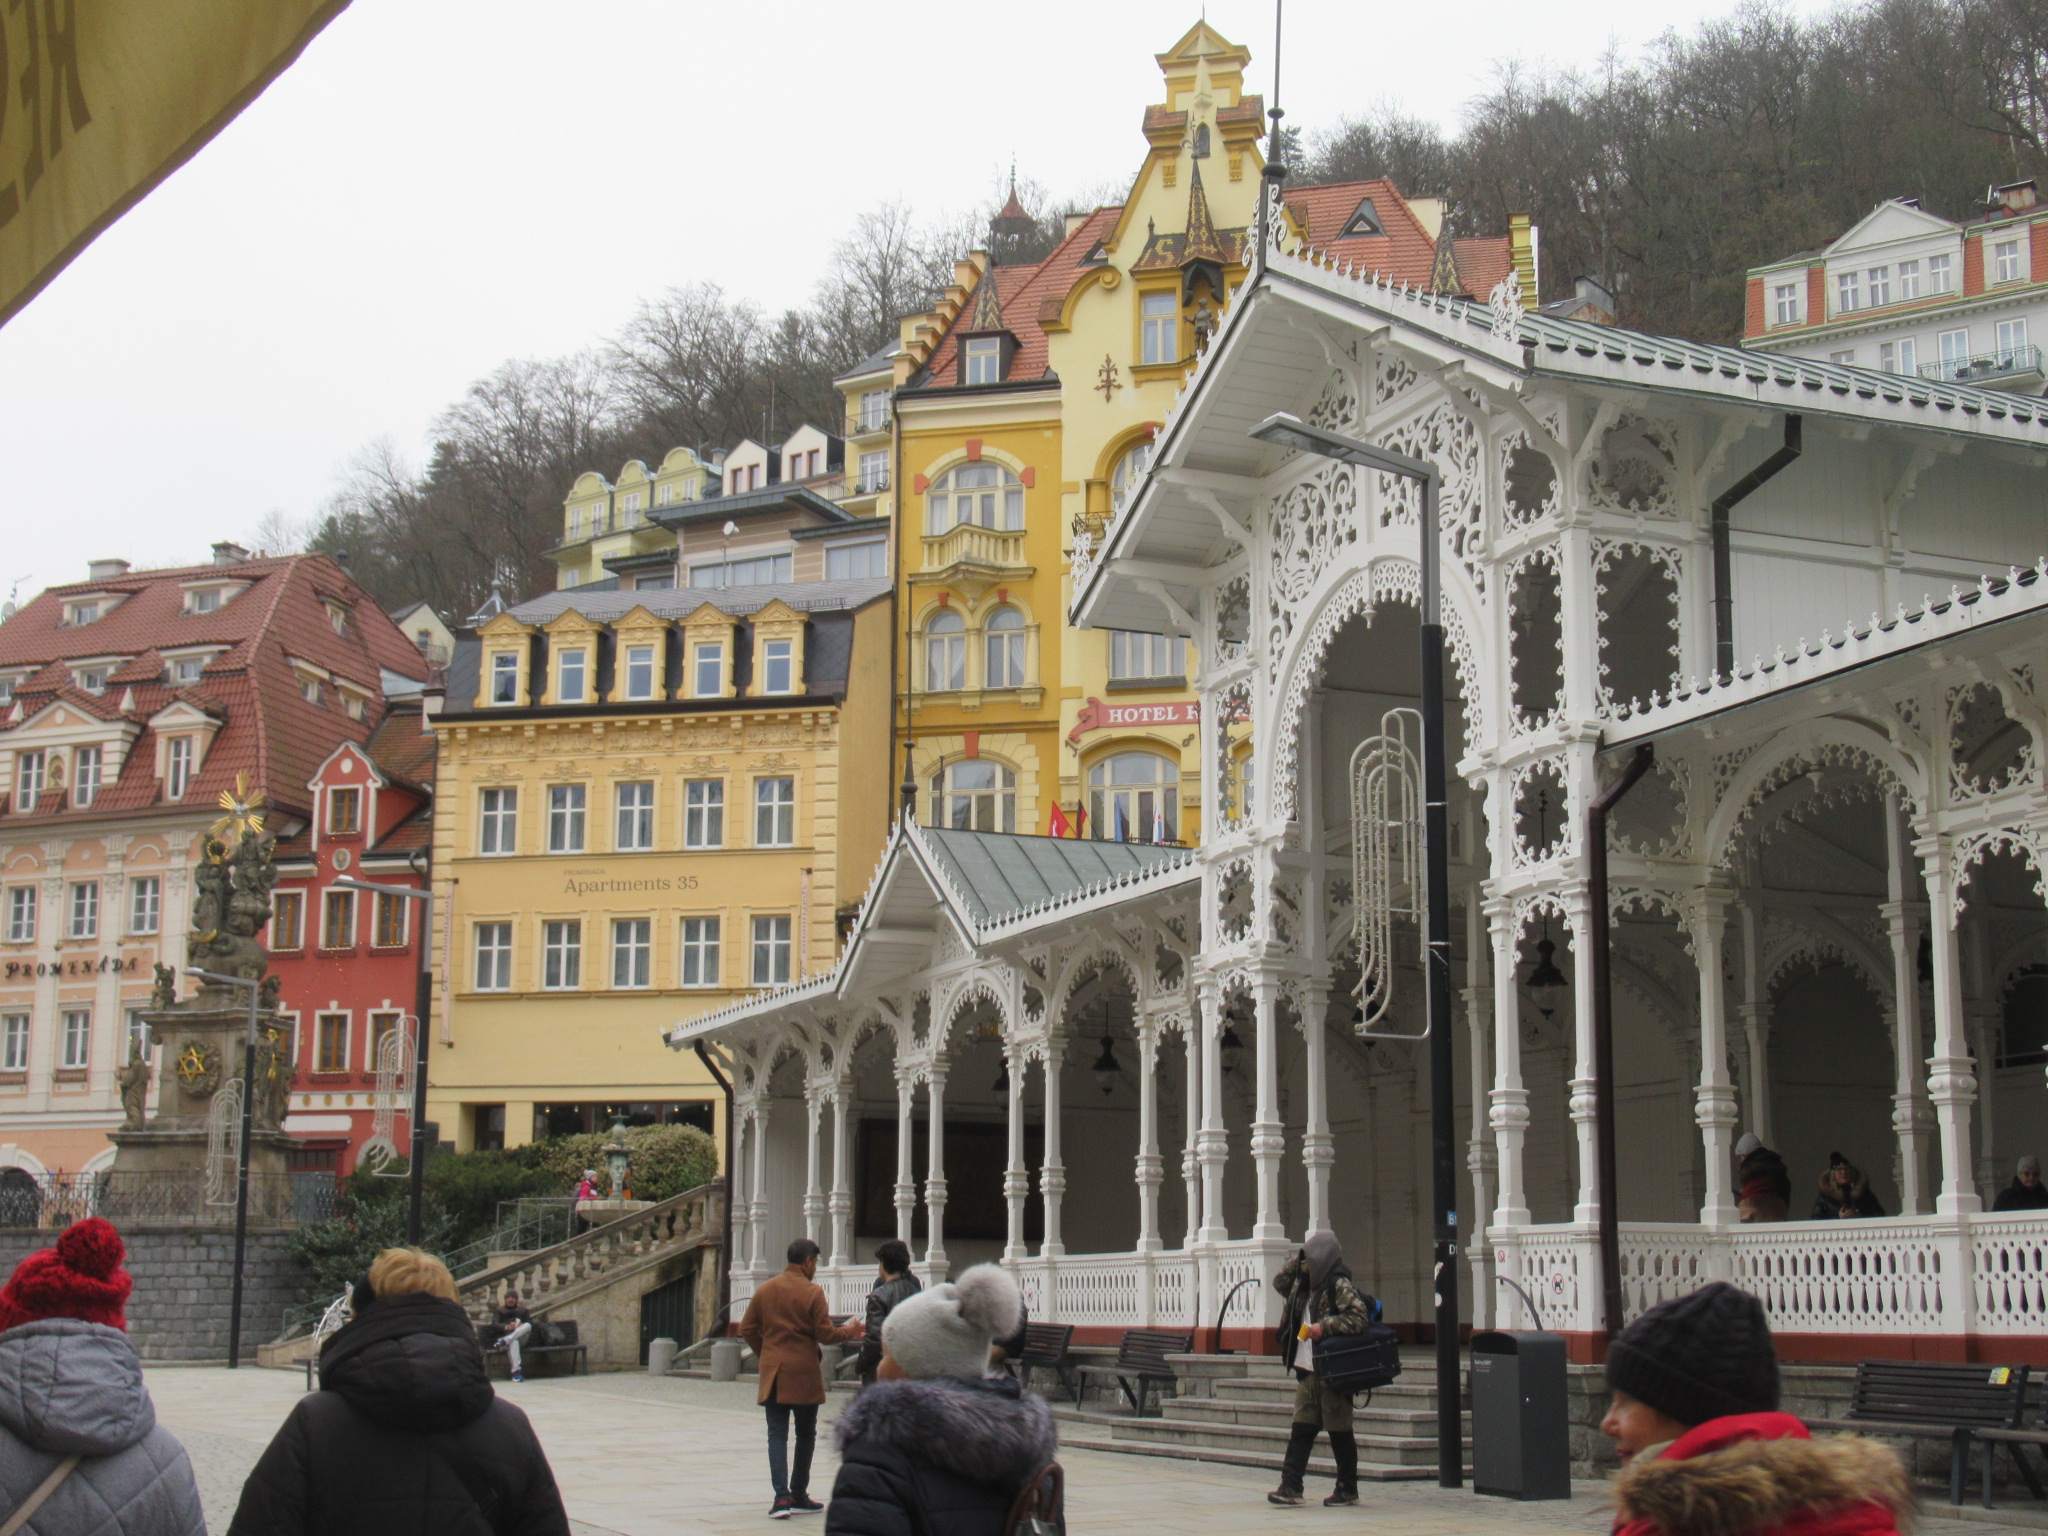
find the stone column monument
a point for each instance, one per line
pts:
(180, 1165)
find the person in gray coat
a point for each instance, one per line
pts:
(71, 1392)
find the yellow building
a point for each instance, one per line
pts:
(651, 802)
(1016, 416)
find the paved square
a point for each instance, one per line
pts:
(636, 1456)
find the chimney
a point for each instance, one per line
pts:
(229, 553)
(105, 570)
(2013, 197)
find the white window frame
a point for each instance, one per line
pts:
(339, 795)
(1878, 284)
(31, 773)
(382, 903)
(84, 907)
(771, 950)
(975, 807)
(75, 1033)
(945, 652)
(778, 666)
(867, 559)
(1785, 304)
(704, 813)
(707, 656)
(14, 1042)
(568, 806)
(561, 954)
(320, 1022)
(1159, 327)
(497, 823)
(1006, 649)
(504, 679)
(633, 816)
(775, 811)
(981, 360)
(491, 947)
(146, 904)
(2007, 262)
(1136, 656)
(700, 960)
(1909, 281)
(632, 953)
(572, 662)
(1848, 292)
(178, 767)
(1940, 274)
(281, 902)
(640, 672)
(332, 901)
(85, 777)
(2012, 337)
(22, 901)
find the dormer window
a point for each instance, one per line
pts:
(177, 767)
(1364, 220)
(344, 811)
(7, 690)
(92, 679)
(185, 670)
(337, 615)
(778, 665)
(309, 687)
(664, 494)
(707, 669)
(570, 680)
(981, 360)
(85, 777)
(639, 671)
(77, 614)
(504, 678)
(30, 769)
(205, 600)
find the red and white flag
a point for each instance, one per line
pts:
(1060, 826)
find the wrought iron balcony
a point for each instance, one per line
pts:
(865, 423)
(870, 484)
(2007, 368)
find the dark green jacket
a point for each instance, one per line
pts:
(1338, 1306)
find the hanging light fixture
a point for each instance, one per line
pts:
(1002, 1083)
(1105, 1068)
(1230, 1046)
(1546, 983)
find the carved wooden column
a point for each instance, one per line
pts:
(1902, 921)
(1508, 1109)
(1951, 1074)
(906, 1174)
(814, 1186)
(1212, 1145)
(1318, 1146)
(1583, 1106)
(1150, 1167)
(1714, 1107)
(759, 1184)
(1052, 1176)
(1191, 1116)
(1478, 1001)
(740, 1191)
(840, 1207)
(1017, 1172)
(1269, 1139)
(935, 1171)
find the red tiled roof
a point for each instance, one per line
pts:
(1025, 292)
(268, 728)
(1482, 262)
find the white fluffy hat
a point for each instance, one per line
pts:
(946, 1330)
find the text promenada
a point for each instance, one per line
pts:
(106, 964)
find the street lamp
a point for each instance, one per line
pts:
(423, 996)
(1287, 431)
(255, 990)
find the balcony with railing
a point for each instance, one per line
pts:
(968, 555)
(870, 483)
(867, 422)
(2015, 368)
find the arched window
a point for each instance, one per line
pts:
(975, 795)
(945, 652)
(1134, 797)
(1124, 477)
(1005, 649)
(985, 494)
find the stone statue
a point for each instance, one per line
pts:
(209, 907)
(272, 993)
(165, 993)
(134, 1081)
(273, 1078)
(1204, 323)
(232, 907)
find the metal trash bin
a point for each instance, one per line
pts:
(1521, 1421)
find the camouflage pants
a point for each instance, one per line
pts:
(1316, 1404)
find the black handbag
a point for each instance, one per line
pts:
(1358, 1362)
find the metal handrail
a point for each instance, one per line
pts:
(863, 422)
(2003, 363)
(526, 1232)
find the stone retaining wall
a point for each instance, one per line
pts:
(183, 1286)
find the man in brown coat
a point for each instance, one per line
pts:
(786, 1321)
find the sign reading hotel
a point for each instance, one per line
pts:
(1098, 716)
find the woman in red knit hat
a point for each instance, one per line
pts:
(79, 1442)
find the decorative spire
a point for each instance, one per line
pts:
(1443, 273)
(988, 308)
(1201, 243)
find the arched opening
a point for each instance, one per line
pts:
(975, 794)
(1134, 797)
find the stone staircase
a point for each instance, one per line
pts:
(597, 1278)
(1236, 1409)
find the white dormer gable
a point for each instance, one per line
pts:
(347, 764)
(1890, 223)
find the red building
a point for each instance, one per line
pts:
(348, 961)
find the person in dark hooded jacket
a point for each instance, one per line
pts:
(938, 1446)
(1844, 1193)
(405, 1436)
(1321, 1300)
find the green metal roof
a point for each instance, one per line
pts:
(1001, 874)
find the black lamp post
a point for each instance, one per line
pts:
(1287, 431)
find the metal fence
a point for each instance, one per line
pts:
(524, 1226)
(55, 1200)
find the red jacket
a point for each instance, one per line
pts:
(1762, 1474)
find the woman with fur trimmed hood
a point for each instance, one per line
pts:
(1705, 1451)
(1844, 1193)
(938, 1446)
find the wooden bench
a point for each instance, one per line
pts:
(1931, 1400)
(548, 1341)
(1048, 1347)
(1140, 1358)
(2016, 1442)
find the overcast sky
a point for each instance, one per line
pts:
(438, 185)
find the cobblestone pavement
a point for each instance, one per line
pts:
(636, 1456)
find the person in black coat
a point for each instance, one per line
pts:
(405, 1436)
(895, 1284)
(1844, 1193)
(938, 1447)
(2026, 1192)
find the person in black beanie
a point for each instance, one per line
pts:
(1704, 1448)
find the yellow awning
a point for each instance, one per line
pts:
(102, 99)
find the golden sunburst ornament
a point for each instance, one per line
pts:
(244, 817)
